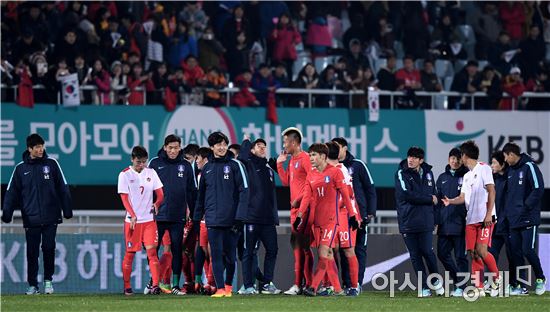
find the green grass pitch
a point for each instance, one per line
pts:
(368, 301)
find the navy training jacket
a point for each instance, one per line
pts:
(451, 220)
(363, 185)
(501, 187)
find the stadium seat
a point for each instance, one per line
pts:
(482, 64)
(459, 64)
(447, 82)
(399, 64)
(419, 64)
(322, 62)
(398, 47)
(443, 68)
(379, 63)
(302, 60)
(299, 47)
(468, 39)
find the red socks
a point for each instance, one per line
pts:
(332, 271)
(209, 274)
(127, 268)
(353, 271)
(491, 264)
(477, 268)
(298, 264)
(319, 272)
(154, 265)
(187, 268)
(308, 266)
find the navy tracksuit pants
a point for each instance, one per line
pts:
(420, 249)
(253, 234)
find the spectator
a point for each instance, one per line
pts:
(215, 81)
(318, 36)
(138, 79)
(269, 13)
(264, 83)
(513, 18)
(113, 41)
(136, 35)
(308, 78)
(429, 80)
(182, 44)
(361, 80)
(252, 13)
(408, 80)
(463, 82)
(244, 98)
(234, 27)
(161, 80)
(70, 46)
(281, 76)
(386, 75)
(513, 85)
(193, 74)
(102, 80)
(355, 57)
(195, 17)
(73, 14)
(238, 55)
(285, 37)
(211, 50)
(53, 20)
(539, 83)
(416, 37)
(489, 83)
(487, 28)
(39, 69)
(446, 41)
(533, 51)
(356, 31)
(503, 55)
(119, 83)
(81, 69)
(330, 80)
(34, 20)
(385, 36)
(26, 45)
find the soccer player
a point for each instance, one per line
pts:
(365, 199)
(190, 152)
(295, 176)
(180, 190)
(261, 217)
(38, 188)
(223, 197)
(478, 192)
(415, 198)
(346, 235)
(501, 234)
(136, 185)
(523, 201)
(451, 221)
(324, 186)
(202, 253)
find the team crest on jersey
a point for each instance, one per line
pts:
(520, 178)
(327, 179)
(226, 171)
(46, 171)
(181, 169)
(429, 177)
(297, 164)
(148, 179)
(129, 244)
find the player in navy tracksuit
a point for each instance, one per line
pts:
(260, 218)
(222, 200)
(365, 197)
(177, 176)
(38, 188)
(523, 201)
(415, 196)
(451, 222)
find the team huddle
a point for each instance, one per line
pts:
(208, 206)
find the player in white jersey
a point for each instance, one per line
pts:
(478, 193)
(136, 185)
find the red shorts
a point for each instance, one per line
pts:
(143, 233)
(477, 233)
(203, 235)
(345, 234)
(325, 235)
(166, 238)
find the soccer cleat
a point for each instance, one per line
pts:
(310, 292)
(248, 291)
(165, 288)
(496, 286)
(438, 287)
(229, 290)
(155, 290)
(128, 292)
(270, 289)
(177, 291)
(293, 291)
(198, 288)
(241, 290)
(208, 290)
(219, 294)
(425, 293)
(459, 292)
(325, 291)
(147, 289)
(48, 287)
(480, 292)
(352, 292)
(32, 290)
(487, 286)
(540, 286)
(189, 288)
(339, 293)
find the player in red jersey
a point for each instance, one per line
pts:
(136, 185)
(325, 187)
(295, 176)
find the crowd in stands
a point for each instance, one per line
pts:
(180, 51)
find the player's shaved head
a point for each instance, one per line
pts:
(294, 135)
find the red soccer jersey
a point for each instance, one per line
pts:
(322, 195)
(296, 174)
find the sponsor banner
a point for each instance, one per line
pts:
(490, 130)
(92, 263)
(93, 143)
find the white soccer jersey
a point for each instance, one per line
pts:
(140, 188)
(349, 182)
(475, 192)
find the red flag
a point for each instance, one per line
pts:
(170, 99)
(271, 111)
(25, 96)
